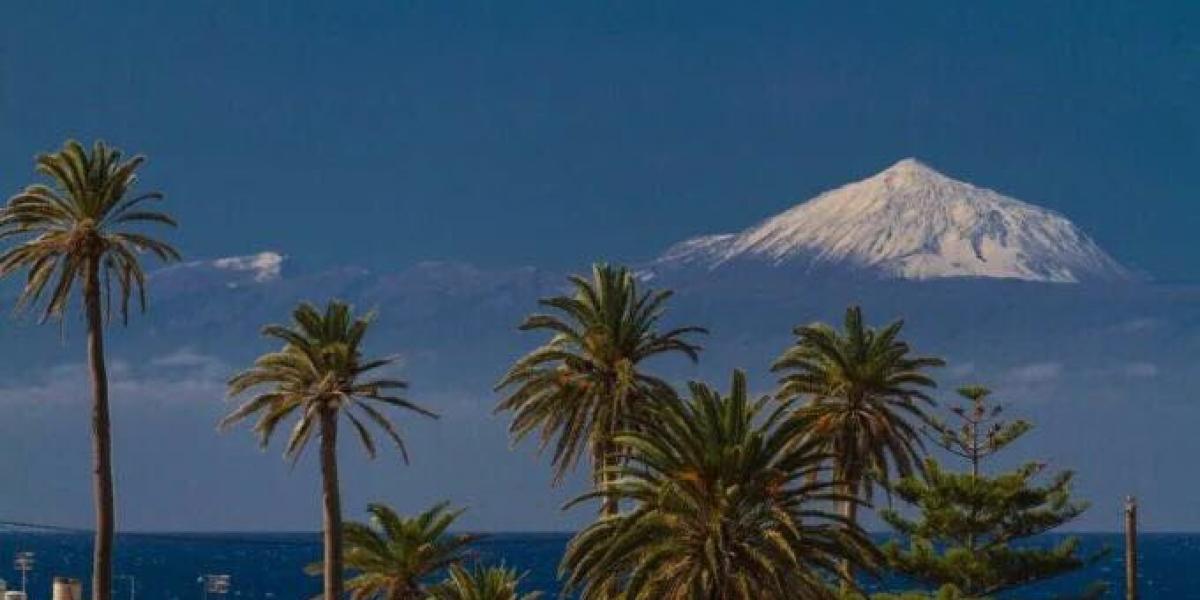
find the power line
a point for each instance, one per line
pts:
(221, 538)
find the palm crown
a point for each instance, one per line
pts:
(863, 385)
(84, 224)
(481, 583)
(727, 505)
(585, 383)
(320, 368)
(393, 556)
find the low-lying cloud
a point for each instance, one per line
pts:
(184, 375)
(1141, 370)
(1038, 372)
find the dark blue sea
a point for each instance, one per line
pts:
(167, 566)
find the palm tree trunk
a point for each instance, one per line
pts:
(102, 480)
(850, 512)
(610, 507)
(332, 506)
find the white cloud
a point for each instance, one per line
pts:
(1038, 372)
(1141, 370)
(960, 370)
(1139, 325)
(183, 375)
(187, 358)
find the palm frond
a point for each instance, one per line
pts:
(318, 368)
(67, 232)
(725, 506)
(855, 394)
(586, 382)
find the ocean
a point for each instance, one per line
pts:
(261, 566)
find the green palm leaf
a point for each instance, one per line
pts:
(726, 505)
(481, 583)
(860, 396)
(393, 557)
(80, 226)
(318, 368)
(586, 382)
(864, 397)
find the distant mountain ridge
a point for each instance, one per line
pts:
(1048, 348)
(910, 222)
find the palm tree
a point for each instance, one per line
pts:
(85, 226)
(318, 375)
(481, 583)
(393, 556)
(726, 506)
(863, 388)
(586, 383)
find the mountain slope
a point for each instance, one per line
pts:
(911, 222)
(1120, 413)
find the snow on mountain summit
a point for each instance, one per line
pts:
(912, 222)
(265, 266)
(231, 272)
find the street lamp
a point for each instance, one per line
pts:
(24, 562)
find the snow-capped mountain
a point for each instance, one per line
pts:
(911, 222)
(232, 271)
(1048, 348)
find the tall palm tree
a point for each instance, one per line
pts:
(726, 507)
(481, 583)
(394, 556)
(864, 390)
(86, 225)
(586, 383)
(319, 375)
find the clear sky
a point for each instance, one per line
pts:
(508, 133)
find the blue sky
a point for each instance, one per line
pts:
(530, 133)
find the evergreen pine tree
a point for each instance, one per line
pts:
(965, 541)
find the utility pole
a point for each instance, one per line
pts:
(132, 585)
(1131, 548)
